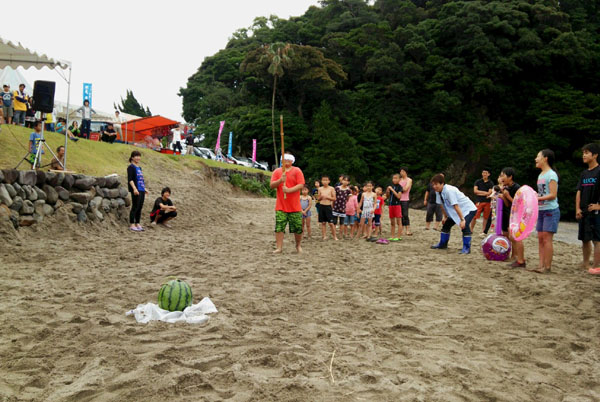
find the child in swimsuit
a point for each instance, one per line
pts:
(306, 205)
(367, 206)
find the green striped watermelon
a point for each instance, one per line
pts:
(175, 295)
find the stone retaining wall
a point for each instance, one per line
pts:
(225, 174)
(27, 196)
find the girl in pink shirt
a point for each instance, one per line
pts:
(406, 183)
(351, 207)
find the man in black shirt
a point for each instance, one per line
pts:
(109, 134)
(432, 208)
(163, 210)
(483, 189)
(587, 207)
(189, 142)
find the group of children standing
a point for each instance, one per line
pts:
(358, 211)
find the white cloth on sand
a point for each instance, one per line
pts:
(194, 314)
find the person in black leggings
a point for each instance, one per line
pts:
(137, 187)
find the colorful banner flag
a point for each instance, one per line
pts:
(253, 150)
(87, 92)
(230, 146)
(219, 136)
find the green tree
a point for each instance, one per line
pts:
(332, 151)
(131, 105)
(276, 57)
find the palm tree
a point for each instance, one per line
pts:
(278, 54)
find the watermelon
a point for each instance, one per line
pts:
(175, 295)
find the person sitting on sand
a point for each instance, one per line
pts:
(287, 207)
(163, 210)
(456, 206)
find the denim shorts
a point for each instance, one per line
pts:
(349, 220)
(548, 220)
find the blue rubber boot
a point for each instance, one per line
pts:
(466, 245)
(443, 244)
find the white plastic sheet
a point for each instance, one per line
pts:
(194, 314)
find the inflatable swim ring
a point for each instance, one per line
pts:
(523, 213)
(496, 247)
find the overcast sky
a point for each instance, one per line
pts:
(150, 46)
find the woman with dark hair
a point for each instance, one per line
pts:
(406, 183)
(137, 187)
(74, 128)
(549, 213)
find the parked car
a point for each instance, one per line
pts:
(243, 161)
(261, 165)
(204, 153)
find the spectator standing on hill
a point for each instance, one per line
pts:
(163, 210)
(176, 141)
(58, 162)
(30, 115)
(137, 187)
(50, 120)
(20, 105)
(189, 142)
(86, 118)
(34, 143)
(117, 125)
(109, 134)
(7, 104)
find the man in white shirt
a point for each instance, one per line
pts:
(176, 141)
(457, 209)
(117, 124)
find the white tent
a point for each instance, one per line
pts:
(14, 78)
(15, 55)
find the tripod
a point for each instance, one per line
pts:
(37, 158)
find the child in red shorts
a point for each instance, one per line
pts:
(394, 193)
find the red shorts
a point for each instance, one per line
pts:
(485, 208)
(395, 211)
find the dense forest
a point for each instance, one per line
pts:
(434, 86)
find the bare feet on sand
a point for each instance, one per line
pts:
(277, 251)
(298, 249)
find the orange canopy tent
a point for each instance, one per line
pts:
(154, 126)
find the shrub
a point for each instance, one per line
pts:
(252, 185)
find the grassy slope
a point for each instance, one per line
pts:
(97, 158)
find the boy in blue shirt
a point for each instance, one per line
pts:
(457, 209)
(34, 143)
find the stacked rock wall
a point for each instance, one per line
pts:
(27, 196)
(225, 174)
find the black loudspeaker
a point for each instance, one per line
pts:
(43, 96)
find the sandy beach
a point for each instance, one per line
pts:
(344, 321)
